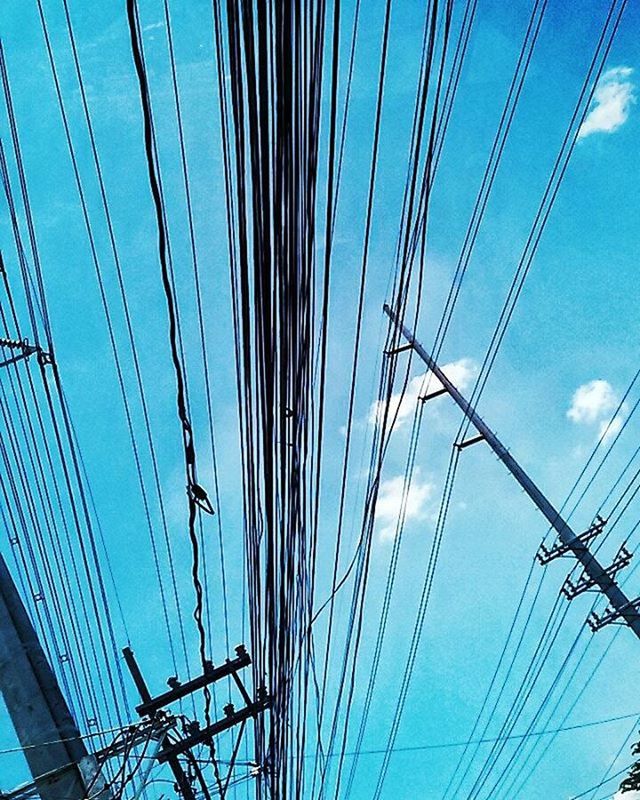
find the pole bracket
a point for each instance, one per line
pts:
(468, 442)
(432, 395)
(400, 349)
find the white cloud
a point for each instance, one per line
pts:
(611, 104)
(460, 373)
(592, 402)
(626, 796)
(390, 499)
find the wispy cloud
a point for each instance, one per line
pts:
(593, 403)
(390, 498)
(610, 428)
(612, 101)
(460, 373)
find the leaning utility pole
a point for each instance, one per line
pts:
(594, 576)
(58, 760)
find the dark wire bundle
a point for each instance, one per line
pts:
(270, 111)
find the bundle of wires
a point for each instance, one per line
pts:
(273, 54)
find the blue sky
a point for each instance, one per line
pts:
(569, 354)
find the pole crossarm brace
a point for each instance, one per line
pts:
(599, 575)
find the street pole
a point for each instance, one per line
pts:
(56, 755)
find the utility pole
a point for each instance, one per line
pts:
(168, 752)
(58, 760)
(621, 608)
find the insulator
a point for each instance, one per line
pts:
(14, 344)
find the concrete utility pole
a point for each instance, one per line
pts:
(62, 770)
(595, 576)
